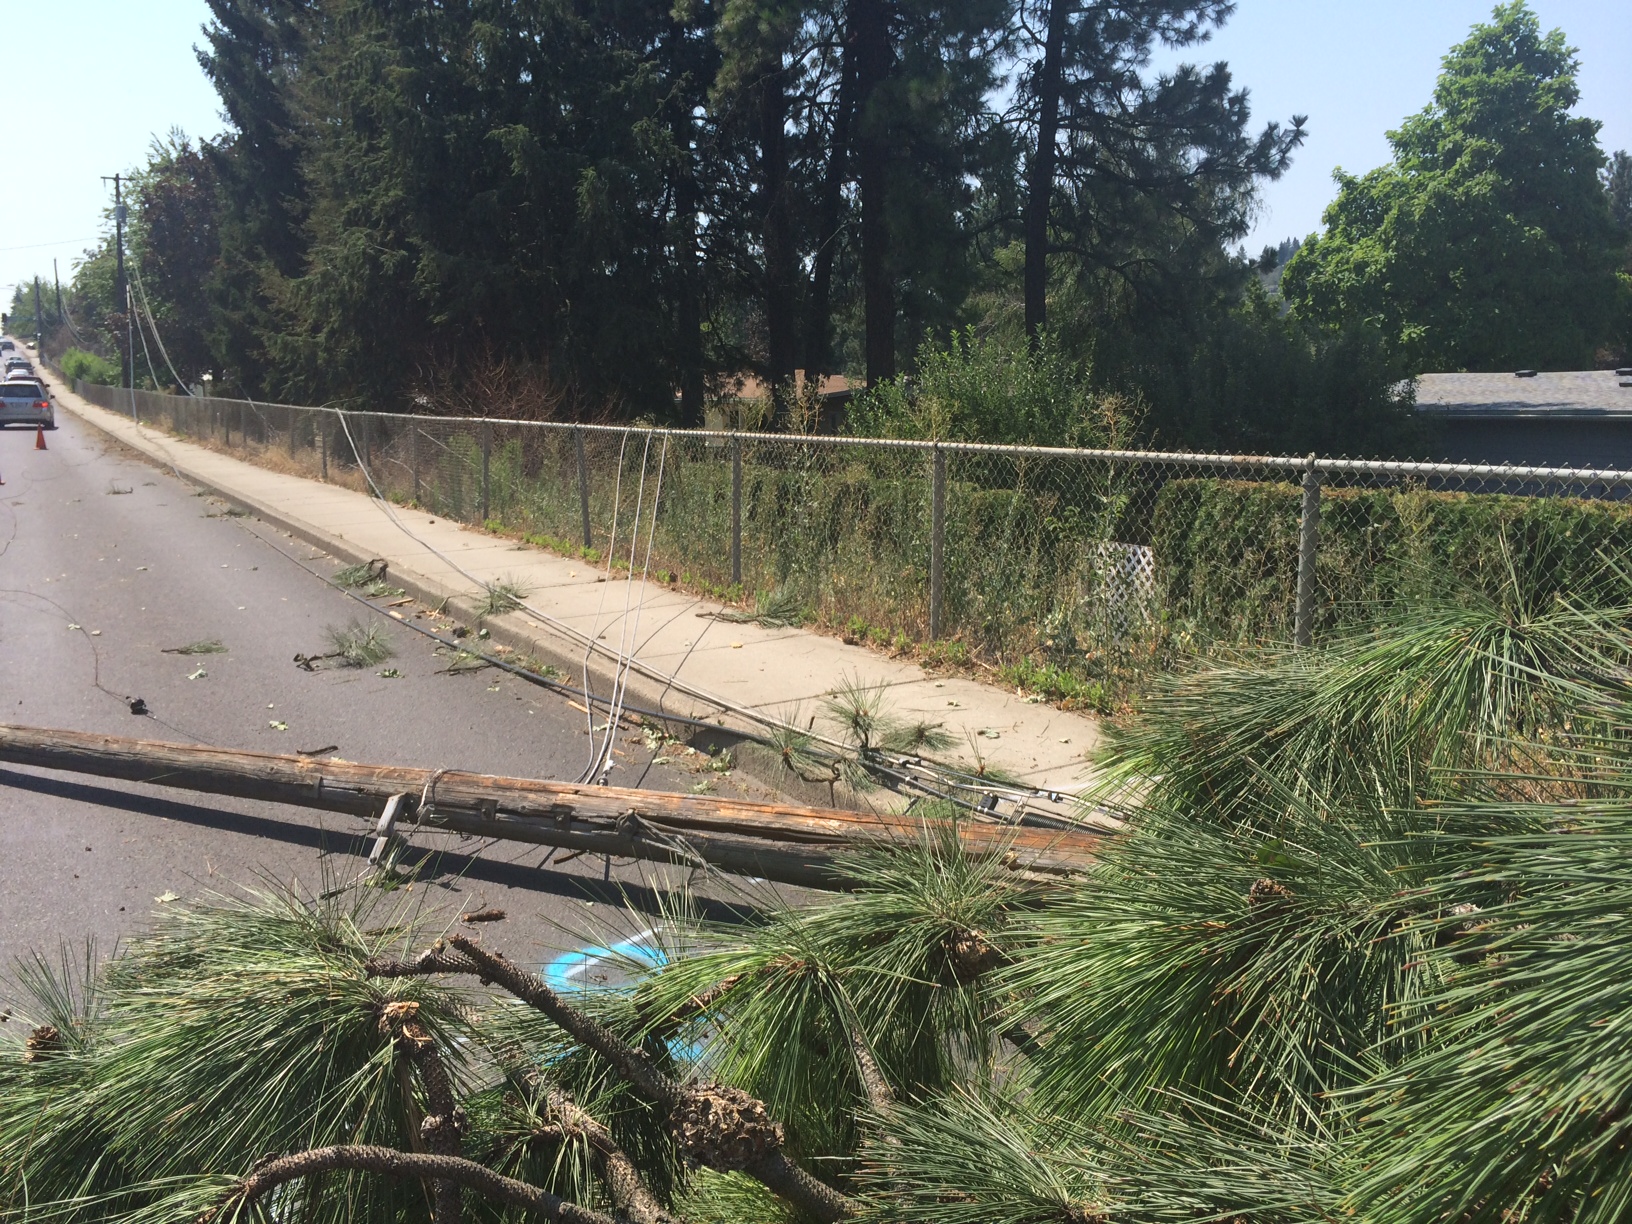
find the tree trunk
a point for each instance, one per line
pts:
(688, 308)
(870, 20)
(777, 235)
(1040, 175)
(818, 354)
(689, 319)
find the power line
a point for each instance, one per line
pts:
(35, 246)
(154, 328)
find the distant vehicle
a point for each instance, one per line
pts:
(7, 346)
(24, 401)
(18, 364)
(29, 344)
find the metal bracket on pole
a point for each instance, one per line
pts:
(937, 540)
(736, 511)
(1308, 548)
(386, 829)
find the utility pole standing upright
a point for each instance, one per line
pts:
(57, 277)
(39, 323)
(121, 293)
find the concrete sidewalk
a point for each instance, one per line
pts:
(687, 656)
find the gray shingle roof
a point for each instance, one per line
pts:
(1577, 393)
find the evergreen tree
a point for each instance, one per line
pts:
(252, 56)
(1125, 173)
(1617, 178)
(175, 250)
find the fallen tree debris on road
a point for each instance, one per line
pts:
(788, 844)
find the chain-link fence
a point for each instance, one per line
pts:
(1076, 572)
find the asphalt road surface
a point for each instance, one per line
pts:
(106, 564)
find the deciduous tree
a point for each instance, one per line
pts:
(1487, 243)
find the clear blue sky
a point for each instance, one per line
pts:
(112, 74)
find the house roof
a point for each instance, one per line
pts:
(1567, 394)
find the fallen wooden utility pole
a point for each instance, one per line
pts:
(793, 845)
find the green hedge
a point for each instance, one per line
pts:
(1227, 553)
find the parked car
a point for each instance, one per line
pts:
(26, 402)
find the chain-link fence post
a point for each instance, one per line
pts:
(583, 483)
(294, 423)
(937, 539)
(323, 445)
(1308, 546)
(413, 455)
(487, 467)
(736, 511)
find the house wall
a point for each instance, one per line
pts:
(1604, 442)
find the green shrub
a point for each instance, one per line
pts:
(1227, 553)
(988, 390)
(77, 363)
(1057, 685)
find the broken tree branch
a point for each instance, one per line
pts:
(388, 1162)
(879, 1093)
(444, 1124)
(630, 1194)
(717, 1126)
(794, 845)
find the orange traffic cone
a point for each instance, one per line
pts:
(39, 437)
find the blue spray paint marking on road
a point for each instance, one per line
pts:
(575, 972)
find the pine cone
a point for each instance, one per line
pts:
(1266, 893)
(724, 1128)
(42, 1043)
(971, 954)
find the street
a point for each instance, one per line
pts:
(109, 565)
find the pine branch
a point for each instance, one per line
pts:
(389, 1162)
(632, 1064)
(879, 1093)
(717, 1126)
(624, 1181)
(443, 1126)
(697, 1005)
